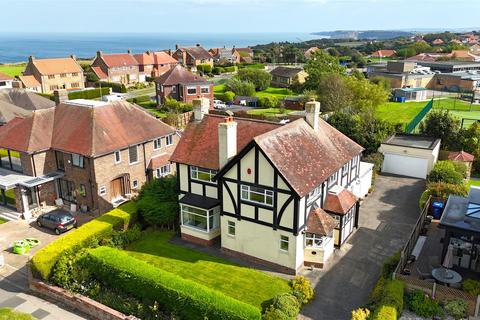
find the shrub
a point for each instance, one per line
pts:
(302, 289)
(186, 298)
(423, 305)
(457, 308)
(230, 69)
(204, 68)
(442, 190)
(218, 70)
(471, 286)
(121, 239)
(116, 87)
(461, 168)
(268, 102)
(70, 274)
(445, 171)
(140, 99)
(239, 87)
(393, 295)
(89, 94)
(45, 259)
(284, 307)
(360, 314)
(227, 96)
(260, 78)
(385, 313)
(390, 264)
(175, 106)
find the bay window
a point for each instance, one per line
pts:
(257, 195)
(315, 241)
(201, 219)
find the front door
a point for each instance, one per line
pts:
(117, 188)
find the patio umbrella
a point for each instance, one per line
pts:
(448, 260)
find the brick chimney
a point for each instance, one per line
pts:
(177, 46)
(60, 96)
(200, 108)
(31, 58)
(129, 51)
(99, 54)
(312, 109)
(198, 45)
(227, 141)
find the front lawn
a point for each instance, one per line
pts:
(396, 112)
(270, 112)
(12, 69)
(9, 314)
(244, 284)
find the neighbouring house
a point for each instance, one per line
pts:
(182, 85)
(463, 157)
(475, 49)
(225, 55)
(92, 154)
(284, 77)
(246, 54)
(48, 75)
(438, 42)
(191, 57)
(6, 82)
(409, 155)
(20, 103)
(280, 195)
(464, 55)
(383, 54)
(116, 67)
(427, 57)
(310, 51)
(154, 64)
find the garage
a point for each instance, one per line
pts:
(409, 155)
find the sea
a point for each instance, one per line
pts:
(17, 47)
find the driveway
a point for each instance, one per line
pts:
(387, 217)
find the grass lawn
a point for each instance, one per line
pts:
(2, 220)
(396, 112)
(12, 69)
(270, 112)
(9, 314)
(475, 183)
(280, 93)
(244, 284)
(219, 88)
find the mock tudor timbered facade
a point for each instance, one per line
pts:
(277, 194)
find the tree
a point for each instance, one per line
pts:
(319, 65)
(367, 96)
(441, 124)
(333, 94)
(260, 78)
(445, 171)
(269, 102)
(239, 87)
(406, 52)
(158, 202)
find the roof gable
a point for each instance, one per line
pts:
(178, 75)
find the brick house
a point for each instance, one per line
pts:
(246, 54)
(117, 67)
(225, 55)
(89, 153)
(48, 75)
(182, 85)
(154, 64)
(191, 57)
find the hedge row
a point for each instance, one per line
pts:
(45, 259)
(186, 298)
(139, 99)
(116, 87)
(391, 301)
(89, 94)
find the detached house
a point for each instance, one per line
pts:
(191, 57)
(280, 195)
(154, 64)
(48, 75)
(117, 67)
(225, 55)
(284, 77)
(93, 154)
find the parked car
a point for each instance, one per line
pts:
(219, 104)
(57, 220)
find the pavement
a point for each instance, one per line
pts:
(387, 217)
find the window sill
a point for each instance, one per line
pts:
(283, 251)
(133, 163)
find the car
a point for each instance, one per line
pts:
(219, 104)
(57, 220)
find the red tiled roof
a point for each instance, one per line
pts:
(460, 156)
(4, 77)
(99, 72)
(383, 53)
(199, 143)
(178, 75)
(320, 222)
(154, 58)
(197, 52)
(159, 161)
(339, 202)
(306, 157)
(119, 60)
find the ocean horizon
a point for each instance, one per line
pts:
(17, 47)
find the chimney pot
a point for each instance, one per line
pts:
(200, 108)
(198, 44)
(60, 96)
(177, 46)
(129, 51)
(312, 109)
(99, 53)
(31, 58)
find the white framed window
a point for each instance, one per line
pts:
(313, 240)
(174, 89)
(157, 143)
(118, 156)
(77, 160)
(284, 243)
(102, 190)
(200, 219)
(231, 228)
(169, 140)
(345, 168)
(163, 171)
(133, 154)
(204, 89)
(135, 184)
(191, 90)
(257, 195)
(197, 173)
(332, 180)
(314, 194)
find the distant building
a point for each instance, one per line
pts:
(191, 57)
(182, 85)
(310, 51)
(48, 75)
(225, 55)
(246, 54)
(438, 41)
(383, 54)
(450, 66)
(464, 55)
(284, 77)
(116, 67)
(154, 64)
(402, 74)
(6, 82)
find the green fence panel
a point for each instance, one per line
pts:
(419, 117)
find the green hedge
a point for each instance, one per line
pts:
(385, 313)
(45, 259)
(230, 69)
(185, 298)
(139, 99)
(116, 87)
(89, 94)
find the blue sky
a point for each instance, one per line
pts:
(230, 16)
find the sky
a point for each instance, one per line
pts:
(234, 16)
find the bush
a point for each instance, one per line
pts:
(302, 289)
(390, 264)
(121, 239)
(186, 298)
(218, 70)
(471, 286)
(385, 313)
(116, 87)
(227, 96)
(445, 171)
(260, 78)
(461, 168)
(239, 87)
(268, 102)
(45, 259)
(284, 307)
(393, 295)
(70, 274)
(175, 106)
(204, 68)
(46, 95)
(423, 305)
(360, 314)
(89, 94)
(230, 69)
(457, 308)
(140, 99)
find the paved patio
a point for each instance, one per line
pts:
(387, 217)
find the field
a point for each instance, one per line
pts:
(244, 284)
(12, 69)
(279, 93)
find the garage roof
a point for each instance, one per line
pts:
(412, 141)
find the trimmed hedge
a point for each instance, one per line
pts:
(116, 87)
(89, 94)
(185, 298)
(45, 259)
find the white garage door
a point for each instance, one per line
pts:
(405, 165)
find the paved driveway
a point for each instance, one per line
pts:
(387, 217)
